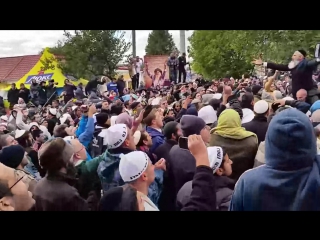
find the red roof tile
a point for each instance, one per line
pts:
(14, 68)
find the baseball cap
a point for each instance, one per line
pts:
(133, 165)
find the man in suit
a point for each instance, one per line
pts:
(301, 70)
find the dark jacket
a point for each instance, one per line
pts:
(182, 62)
(203, 195)
(301, 74)
(259, 126)
(167, 197)
(42, 95)
(51, 91)
(302, 106)
(24, 94)
(183, 165)
(53, 193)
(121, 86)
(13, 96)
(92, 85)
(69, 89)
(224, 190)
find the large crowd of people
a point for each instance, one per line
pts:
(248, 144)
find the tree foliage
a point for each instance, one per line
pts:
(160, 42)
(218, 53)
(88, 53)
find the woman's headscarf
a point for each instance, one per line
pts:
(229, 126)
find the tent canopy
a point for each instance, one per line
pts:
(41, 73)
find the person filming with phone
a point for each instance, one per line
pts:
(301, 70)
(181, 162)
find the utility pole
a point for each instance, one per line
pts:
(182, 41)
(134, 47)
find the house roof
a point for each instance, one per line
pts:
(14, 68)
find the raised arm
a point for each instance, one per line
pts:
(270, 81)
(274, 66)
(147, 70)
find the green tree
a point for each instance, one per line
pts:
(219, 53)
(88, 53)
(160, 42)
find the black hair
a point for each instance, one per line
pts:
(215, 103)
(166, 111)
(116, 109)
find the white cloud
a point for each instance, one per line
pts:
(24, 42)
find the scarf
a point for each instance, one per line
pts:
(229, 126)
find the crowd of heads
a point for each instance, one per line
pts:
(148, 149)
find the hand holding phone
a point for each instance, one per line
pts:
(183, 143)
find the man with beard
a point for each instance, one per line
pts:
(301, 70)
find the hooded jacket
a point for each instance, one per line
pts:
(157, 138)
(290, 179)
(108, 171)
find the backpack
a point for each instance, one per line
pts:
(96, 146)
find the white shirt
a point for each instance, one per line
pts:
(148, 204)
(138, 67)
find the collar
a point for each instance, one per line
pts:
(120, 150)
(171, 142)
(260, 118)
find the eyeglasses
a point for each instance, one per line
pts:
(82, 147)
(9, 190)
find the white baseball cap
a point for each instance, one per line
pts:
(133, 165)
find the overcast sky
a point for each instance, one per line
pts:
(23, 42)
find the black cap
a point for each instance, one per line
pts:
(169, 129)
(303, 52)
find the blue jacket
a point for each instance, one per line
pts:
(315, 106)
(85, 132)
(108, 171)
(290, 179)
(157, 138)
(112, 87)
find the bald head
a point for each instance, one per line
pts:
(302, 95)
(79, 150)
